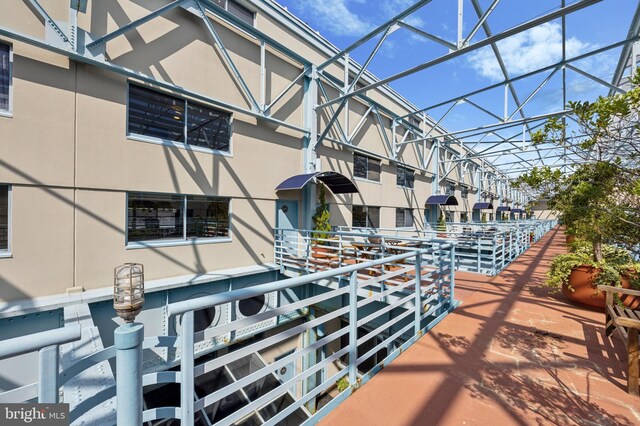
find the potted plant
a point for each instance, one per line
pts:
(321, 226)
(483, 218)
(578, 275)
(441, 227)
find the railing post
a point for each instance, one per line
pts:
(48, 359)
(418, 293)
(353, 327)
(452, 275)
(128, 342)
(503, 249)
(186, 370)
(479, 253)
(493, 256)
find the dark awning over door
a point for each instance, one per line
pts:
(483, 206)
(443, 200)
(336, 182)
(503, 209)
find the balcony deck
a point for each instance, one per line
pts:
(513, 353)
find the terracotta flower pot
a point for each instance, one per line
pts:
(569, 238)
(581, 281)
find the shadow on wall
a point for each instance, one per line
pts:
(9, 292)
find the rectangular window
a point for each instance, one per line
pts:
(163, 116)
(366, 167)
(405, 177)
(451, 189)
(464, 192)
(160, 217)
(5, 77)
(404, 218)
(365, 217)
(236, 9)
(4, 218)
(207, 217)
(240, 11)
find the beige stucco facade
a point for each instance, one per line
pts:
(66, 154)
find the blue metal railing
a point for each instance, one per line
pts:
(395, 299)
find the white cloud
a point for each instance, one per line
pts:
(334, 17)
(536, 48)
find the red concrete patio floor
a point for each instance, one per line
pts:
(513, 353)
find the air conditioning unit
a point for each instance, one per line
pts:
(205, 319)
(247, 308)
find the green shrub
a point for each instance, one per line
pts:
(616, 262)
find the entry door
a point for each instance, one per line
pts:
(287, 219)
(431, 215)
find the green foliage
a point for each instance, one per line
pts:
(483, 218)
(442, 226)
(342, 384)
(615, 263)
(600, 200)
(321, 220)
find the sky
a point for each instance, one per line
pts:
(343, 22)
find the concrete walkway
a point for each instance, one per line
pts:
(514, 353)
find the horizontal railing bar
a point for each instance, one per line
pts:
(393, 337)
(273, 394)
(260, 289)
(379, 296)
(36, 341)
(384, 310)
(266, 370)
(161, 377)
(215, 331)
(161, 413)
(262, 344)
(378, 330)
(386, 276)
(21, 394)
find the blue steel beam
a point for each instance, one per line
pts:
(134, 24)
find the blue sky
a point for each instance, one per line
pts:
(344, 21)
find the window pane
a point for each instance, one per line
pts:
(155, 114)
(240, 11)
(155, 217)
(5, 75)
(207, 217)
(399, 218)
(374, 170)
(359, 166)
(400, 176)
(373, 216)
(359, 216)
(4, 217)
(410, 178)
(408, 218)
(207, 127)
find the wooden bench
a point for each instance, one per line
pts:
(627, 322)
